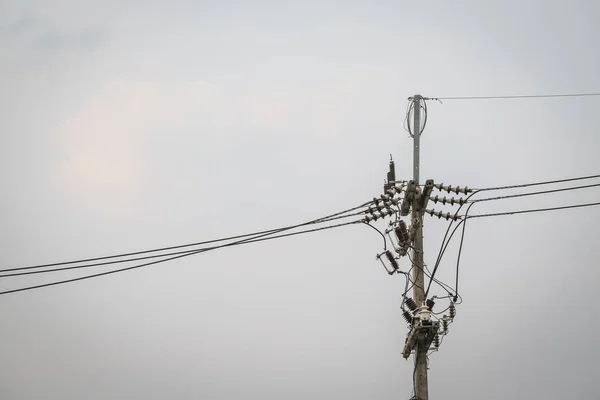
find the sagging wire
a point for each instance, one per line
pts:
(410, 109)
(378, 231)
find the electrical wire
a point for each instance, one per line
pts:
(534, 96)
(443, 285)
(406, 288)
(406, 124)
(460, 247)
(444, 244)
(258, 238)
(410, 108)
(378, 231)
(532, 210)
(413, 265)
(324, 219)
(148, 257)
(428, 274)
(536, 193)
(412, 283)
(522, 185)
(424, 108)
(441, 312)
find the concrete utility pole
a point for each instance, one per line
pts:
(421, 348)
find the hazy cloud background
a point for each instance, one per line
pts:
(131, 125)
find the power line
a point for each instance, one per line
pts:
(534, 96)
(324, 219)
(532, 210)
(258, 238)
(445, 243)
(536, 193)
(42, 271)
(463, 223)
(522, 185)
(428, 274)
(460, 247)
(466, 216)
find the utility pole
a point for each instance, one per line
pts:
(420, 373)
(425, 328)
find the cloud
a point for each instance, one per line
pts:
(36, 38)
(111, 137)
(106, 139)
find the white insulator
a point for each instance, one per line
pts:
(424, 313)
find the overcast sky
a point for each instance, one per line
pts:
(128, 125)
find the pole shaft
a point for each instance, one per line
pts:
(420, 373)
(416, 136)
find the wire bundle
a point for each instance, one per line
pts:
(164, 254)
(469, 199)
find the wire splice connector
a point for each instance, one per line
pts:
(447, 216)
(450, 189)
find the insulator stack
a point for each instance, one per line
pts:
(447, 216)
(444, 326)
(378, 205)
(430, 304)
(450, 189)
(387, 201)
(402, 232)
(375, 214)
(393, 190)
(452, 311)
(436, 341)
(448, 200)
(392, 260)
(384, 208)
(410, 303)
(407, 316)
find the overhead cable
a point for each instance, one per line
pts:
(526, 96)
(324, 219)
(533, 210)
(258, 238)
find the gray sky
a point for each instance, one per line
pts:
(129, 125)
